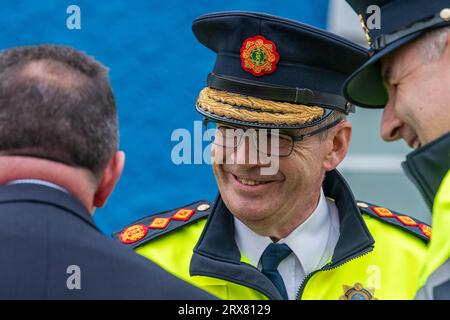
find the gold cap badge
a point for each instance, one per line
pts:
(259, 56)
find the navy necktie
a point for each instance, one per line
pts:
(270, 259)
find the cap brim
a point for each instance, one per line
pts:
(365, 86)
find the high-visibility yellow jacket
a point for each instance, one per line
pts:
(378, 256)
(429, 169)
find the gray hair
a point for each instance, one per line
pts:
(334, 116)
(433, 43)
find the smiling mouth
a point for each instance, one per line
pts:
(415, 144)
(249, 182)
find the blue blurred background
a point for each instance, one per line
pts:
(157, 69)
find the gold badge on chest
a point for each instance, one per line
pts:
(358, 292)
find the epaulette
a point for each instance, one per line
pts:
(412, 225)
(155, 225)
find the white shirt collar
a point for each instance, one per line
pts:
(40, 182)
(308, 241)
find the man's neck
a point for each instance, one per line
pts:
(298, 220)
(76, 181)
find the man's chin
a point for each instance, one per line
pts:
(248, 209)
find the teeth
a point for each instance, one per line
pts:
(249, 182)
(416, 144)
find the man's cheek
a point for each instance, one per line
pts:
(410, 109)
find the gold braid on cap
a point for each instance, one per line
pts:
(223, 103)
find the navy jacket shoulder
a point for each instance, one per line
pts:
(51, 249)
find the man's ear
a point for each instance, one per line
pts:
(110, 177)
(340, 144)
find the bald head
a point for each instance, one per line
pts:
(53, 73)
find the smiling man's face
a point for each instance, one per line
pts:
(271, 205)
(419, 96)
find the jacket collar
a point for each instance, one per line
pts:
(217, 255)
(28, 192)
(354, 234)
(427, 167)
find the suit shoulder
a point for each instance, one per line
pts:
(158, 224)
(401, 221)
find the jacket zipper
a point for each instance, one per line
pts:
(328, 268)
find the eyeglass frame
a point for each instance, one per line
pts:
(296, 138)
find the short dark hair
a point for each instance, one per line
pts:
(57, 103)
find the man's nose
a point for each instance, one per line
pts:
(390, 123)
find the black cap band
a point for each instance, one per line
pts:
(279, 93)
(385, 39)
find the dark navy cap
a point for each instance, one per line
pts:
(286, 66)
(401, 21)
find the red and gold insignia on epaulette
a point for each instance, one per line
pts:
(159, 223)
(134, 233)
(183, 214)
(259, 56)
(426, 230)
(383, 212)
(407, 221)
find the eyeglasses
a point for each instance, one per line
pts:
(267, 141)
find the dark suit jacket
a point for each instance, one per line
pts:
(49, 243)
